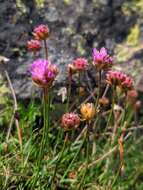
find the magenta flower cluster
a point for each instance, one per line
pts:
(43, 73)
(101, 59)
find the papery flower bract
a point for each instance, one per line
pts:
(41, 32)
(103, 101)
(71, 69)
(43, 73)
(87, 111)
(118, 78)
(101, 59)
(70, 121)
(34, 45)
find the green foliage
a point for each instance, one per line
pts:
(5, 103)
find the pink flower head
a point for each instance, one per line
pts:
(80, 64)
(70, 121)
(33, 45)
(120, 79)
(41, 32)
(101, 59)
(43, 73)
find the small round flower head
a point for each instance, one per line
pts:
(119, 79)
(87, 111)
(43, 73)
(41, 32)
(70, 121)
(80, 64)
(33, 45)
(101, 59)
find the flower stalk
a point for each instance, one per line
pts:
(46, 49)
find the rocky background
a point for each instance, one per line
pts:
(76, 27)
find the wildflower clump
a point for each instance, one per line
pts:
(101, 108)
(70, 121)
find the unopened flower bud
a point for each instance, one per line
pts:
(117, 111)
(71, 69)
(103, 101)
(87, 111)
(137, 105)
(132, 96)
(81, 91)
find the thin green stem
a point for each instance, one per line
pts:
(45, 131)
(99, 88)
(73, 160)
(46, 49)
(87, 161)
(46, 117)
(79, 84)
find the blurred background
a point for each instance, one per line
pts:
(76, 27)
